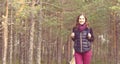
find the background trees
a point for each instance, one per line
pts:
(38, 31)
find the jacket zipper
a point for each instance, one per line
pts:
(81, 42)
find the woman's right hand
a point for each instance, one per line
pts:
(73, 35)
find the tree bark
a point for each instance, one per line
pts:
(31, 34)
(11, 38)
(60, 43)
(39, 36)
(5, 35)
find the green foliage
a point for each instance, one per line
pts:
(51, 22)
(23, 10)
(118, 0)
(115, 8)
(97, 12)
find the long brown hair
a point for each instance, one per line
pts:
(77, 20)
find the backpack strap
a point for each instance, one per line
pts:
(89, 29)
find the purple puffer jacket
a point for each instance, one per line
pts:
(81, 42)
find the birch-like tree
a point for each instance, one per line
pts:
(5, 35)
(39, 34)
(30, 58)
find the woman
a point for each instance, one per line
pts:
(82, 36)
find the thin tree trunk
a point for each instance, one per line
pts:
(1, 40)
(115, 37)
(15, 49)
(26, 41)
(5, 35)
(21, 59)
(30, 61)
(49, 43)
(11, 39)
(31, 43)
(39, 37)
(60, 46)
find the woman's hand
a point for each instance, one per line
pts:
(89, 35)
(73, 35)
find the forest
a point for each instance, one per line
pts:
(38, 31)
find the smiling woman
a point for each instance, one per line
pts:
(81, 19)
(82, 36)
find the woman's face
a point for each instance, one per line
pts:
(81, 19)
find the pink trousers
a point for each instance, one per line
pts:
(84, 58)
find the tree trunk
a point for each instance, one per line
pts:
(15, 48)
(31, 35)
(5, 35)
(115, 37)
(60, 43)
(39, 36)
(11, 38)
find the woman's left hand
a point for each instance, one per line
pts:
(89, 35)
